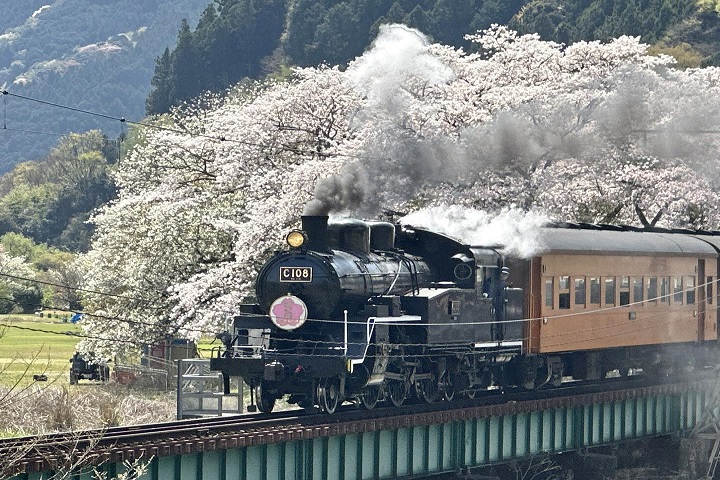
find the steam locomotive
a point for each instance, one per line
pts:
(380, 312)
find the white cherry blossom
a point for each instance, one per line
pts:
(587, 132)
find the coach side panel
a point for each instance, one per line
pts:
(585, 302)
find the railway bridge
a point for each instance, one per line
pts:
(382, 444)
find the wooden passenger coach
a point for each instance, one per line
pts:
(599, 289)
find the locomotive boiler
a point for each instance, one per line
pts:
(379, 312)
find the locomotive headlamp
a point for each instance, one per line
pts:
(296, 238)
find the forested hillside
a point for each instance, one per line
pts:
(97, 56)
(687, 29)
(50, 201)
(334, 32)
(128, 58)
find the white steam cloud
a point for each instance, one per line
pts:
(398, 53)
(640, 112)
(516, 231)
(395, 163)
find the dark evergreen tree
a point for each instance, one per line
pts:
(303, 20)
(208, 17)
(395, 14)
(186, 67)
(232, 38)
(339, 37)
(158, 100)
(450, 21)
(417, 18)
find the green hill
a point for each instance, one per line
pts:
(94, 55)
(235, 39)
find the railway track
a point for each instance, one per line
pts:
(119, 444)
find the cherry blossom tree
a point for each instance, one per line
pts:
(587, 132)
(203, 202)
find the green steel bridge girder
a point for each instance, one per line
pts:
(438, 448)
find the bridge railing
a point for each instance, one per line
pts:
(200, 391)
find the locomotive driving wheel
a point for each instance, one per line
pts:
(369, 397)
(427, 387)
(264, 400)
(398, 387)
(447, 382)
(329, 395)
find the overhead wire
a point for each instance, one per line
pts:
(83, 335)
(123, 121)
(589, 311)
(319, 343)
(35, 132)
(76, 289)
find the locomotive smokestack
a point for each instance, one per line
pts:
(316, 228)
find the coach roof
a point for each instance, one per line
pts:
(588, 241)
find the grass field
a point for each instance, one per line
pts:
(30, 345)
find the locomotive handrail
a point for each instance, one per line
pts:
(345, 328)
(370, 327)
(397, 275)
(376, 275)
(254, 350)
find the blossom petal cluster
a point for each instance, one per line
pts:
(589, 132)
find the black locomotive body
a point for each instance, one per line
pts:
(369, 311)
(372, 311)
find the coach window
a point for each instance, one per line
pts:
(564, 292)
(638, 290)
(549, 293)
(677, 290)
(624, 290)
(580, 292)
(652, 290)
(690, 289)
(709, 289)
(594, 291)
(610, 291)
(664, 289)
